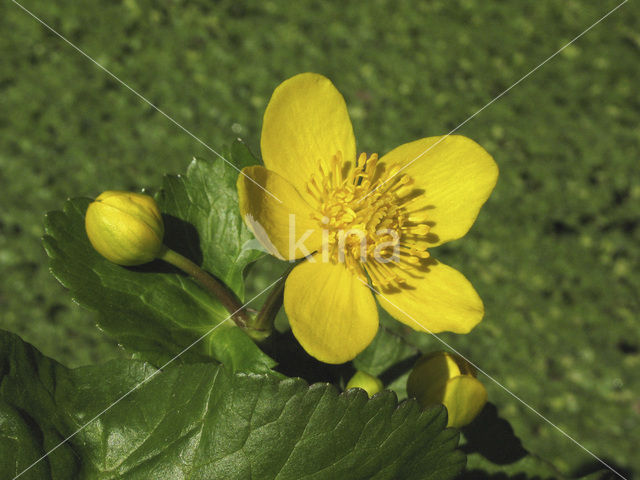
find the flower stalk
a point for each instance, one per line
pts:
(262, 324)
(239, 314)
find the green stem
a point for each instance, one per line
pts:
(263, 322)
(211, 284)
(267, 314)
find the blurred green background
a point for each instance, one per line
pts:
(554, 253)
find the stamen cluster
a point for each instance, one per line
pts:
(365, 214)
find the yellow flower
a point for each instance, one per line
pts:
(368, 383)
(330, 202)
(124, 227)
(448, 379)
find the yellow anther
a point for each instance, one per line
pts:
(367, 226)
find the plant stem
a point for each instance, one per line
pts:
(267, 314)
(211, 284)
(264, 321)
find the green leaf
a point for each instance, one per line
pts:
(390, 356)
(154, 309)
(209, 229)
(203, 421)
(30, 421)
(234, 348)
(20, 445)
(385, 352)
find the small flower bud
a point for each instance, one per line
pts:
(368, 383)
(125, 228)
(448, 379)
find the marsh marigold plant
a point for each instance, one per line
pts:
(363, 224)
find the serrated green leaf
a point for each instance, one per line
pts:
(148, 308)
(234, 348)
(201, 421)
(205, 199)
(154, 309)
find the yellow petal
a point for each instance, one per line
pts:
(286, 229)
(428, 379)
(464, 397)
(456, 364)
(456, 175)
(438, 299)
(332, 313)
(305, 122)
(437, 378)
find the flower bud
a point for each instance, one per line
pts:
(368, 383)
(448, 379)
(125, 228)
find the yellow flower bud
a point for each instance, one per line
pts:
(448, 379)
(368, 383)
(125, 228)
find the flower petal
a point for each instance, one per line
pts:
(428, 379)
(285, 228)
(332, 313)
(464, 397)
(457, 176)
(305, 122)
(436, 298)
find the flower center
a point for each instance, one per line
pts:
(367, 218)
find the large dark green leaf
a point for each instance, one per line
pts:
(201, 421)
(20, 446)
(155, 309)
